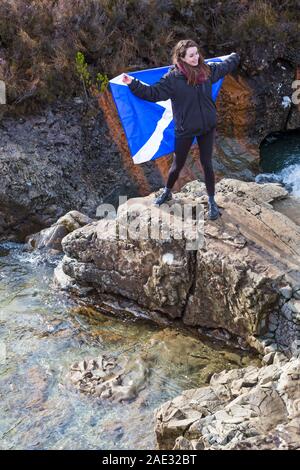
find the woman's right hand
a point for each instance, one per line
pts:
(126, 79)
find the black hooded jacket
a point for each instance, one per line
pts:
(194, 110)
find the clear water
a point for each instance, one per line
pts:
(280, 160)
(43, 331)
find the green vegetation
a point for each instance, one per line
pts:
(101, 80)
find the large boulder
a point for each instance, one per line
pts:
(236, 277)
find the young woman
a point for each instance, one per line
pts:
(188, 83)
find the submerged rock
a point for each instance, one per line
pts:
(167, 354)
(107, 377)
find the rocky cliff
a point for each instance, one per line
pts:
(58, 157)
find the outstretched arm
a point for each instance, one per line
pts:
(160, 91)
(220, 69)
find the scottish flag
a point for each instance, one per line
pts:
(148, 126)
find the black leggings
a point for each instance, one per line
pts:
(182, 147)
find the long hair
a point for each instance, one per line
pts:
(194, 74)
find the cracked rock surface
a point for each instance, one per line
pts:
(236, 278)
(251, 408)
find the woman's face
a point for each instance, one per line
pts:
(191, 56)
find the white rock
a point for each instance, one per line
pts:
(294, 306)
(286, 291)
(271, 348)
(279, 359)
(268, 358)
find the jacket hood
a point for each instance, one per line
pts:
(176, 72)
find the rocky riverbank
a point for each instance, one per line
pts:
(61, 157)
(251, 408)
(242, 283)
(244, 278)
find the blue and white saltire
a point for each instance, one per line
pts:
(148, 126)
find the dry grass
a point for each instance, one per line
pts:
(260, 20)
(39, 39)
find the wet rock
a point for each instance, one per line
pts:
(127, 378)
(38, 381)
(107, 378)
(50, 238)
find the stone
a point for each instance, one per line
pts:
(182, 443)
(202, 286)
(47, 238)
(51, 238)
(286, 292)
(296, 294)
(287, 311)
(294, 306)
(73, 220)
(261, 416)
(117, 380)
(66, 283)
(279, 359)
(268, 358)
(271, 348)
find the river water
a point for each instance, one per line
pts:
(43, 331)
(280, 160)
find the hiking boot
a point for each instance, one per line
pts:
(166, 195)
(213, 210)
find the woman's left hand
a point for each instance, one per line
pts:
(127, 79)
